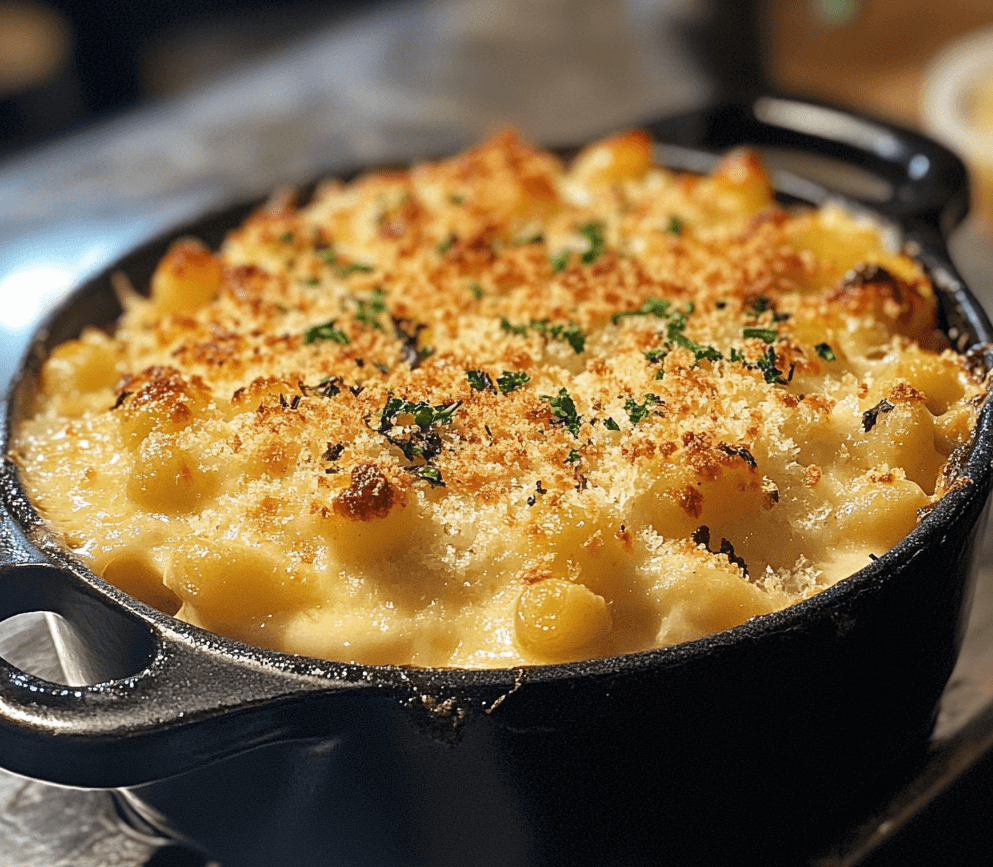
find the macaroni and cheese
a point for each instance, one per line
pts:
(501, 410)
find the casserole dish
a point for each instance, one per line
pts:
(722, 748)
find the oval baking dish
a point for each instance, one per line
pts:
(736, 744)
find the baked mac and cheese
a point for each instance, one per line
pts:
(499, 410)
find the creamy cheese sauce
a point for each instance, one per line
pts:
(498, 410)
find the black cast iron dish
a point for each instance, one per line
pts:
(717, 748)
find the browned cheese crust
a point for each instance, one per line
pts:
(499, 410)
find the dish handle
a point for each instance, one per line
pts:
(156, 702)
(928, 185)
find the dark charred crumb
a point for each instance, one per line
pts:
(409, 353)
(539, 488)
(870, 416)
(328, 387)
(419, 444)
(864, 274)
(295, 402)
(728, 550)
(332, 454)
(123, 396)
(978, 360)
(701, 536)
(739, 451)
(356, 389)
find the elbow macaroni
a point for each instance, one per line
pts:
(499, 410)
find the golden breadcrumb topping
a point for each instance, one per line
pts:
(498, 410)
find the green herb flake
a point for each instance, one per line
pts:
(559, 261)
(769, 335)
(342, 271)
(325, 331)
(476, 290)
(569, 332)
(563, 410)
(639, 411)
(825, 352)
(424, 414)
(610, 424)
(767, 364)
(658, 307)
(511, 328)
(761, 304)
(368, 309)
(286, 237)
(430, 474)
(674, 226)
(509, 381)
(593, 232)
(479, 380)
(447, 244)
(655, 356)
(572, 457)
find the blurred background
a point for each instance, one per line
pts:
(66, 62)
(121, 119)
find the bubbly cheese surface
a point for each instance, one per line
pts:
(499, 410)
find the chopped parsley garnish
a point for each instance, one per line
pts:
(825, 352)
(593, 233)
(559, 260)
(656, 355)
(510, 327)
(658, 307)
(476, 290)
(675, 323)
(286, 237)
(430, 474)
(447, 244)
(760, 305)
(563, 410)
(767, 364)
(769, 335)
(343, 269)
(638, 411)
(570, 333)
(509, 380)
(610, 424)
(369, 309)
(325, 331)
(572, 457)
(479, 380)
(352, 268)
(424, 414)
(674, 226)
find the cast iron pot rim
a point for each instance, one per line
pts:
(977, 473)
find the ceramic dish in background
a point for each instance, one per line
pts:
(714, 751)
(957, 108)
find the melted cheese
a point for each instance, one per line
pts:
(497, 410)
